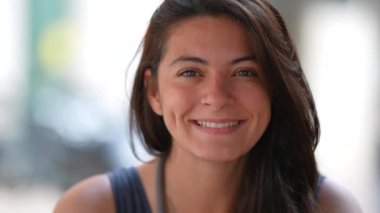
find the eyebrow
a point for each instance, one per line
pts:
(204, 62)
(189, 59)
(252, 58)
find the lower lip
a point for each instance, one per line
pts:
(226, 130)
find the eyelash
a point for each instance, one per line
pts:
(189, 73)
(248, 73)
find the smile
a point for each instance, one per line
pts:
(217, 125)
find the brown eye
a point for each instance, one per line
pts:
(189, 73)
(246, 73)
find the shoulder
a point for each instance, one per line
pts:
(335, 199)
(91, 195)
(147, 173)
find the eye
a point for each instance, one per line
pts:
(189, 73)
(246, 73)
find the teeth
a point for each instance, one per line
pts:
(217, 125)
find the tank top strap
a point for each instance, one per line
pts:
(321, 178)
(317, 191)
(128, 191)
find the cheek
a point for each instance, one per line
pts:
(256, 98)
(257, 103)
(176, 103)
(176, 109)
(174, 99)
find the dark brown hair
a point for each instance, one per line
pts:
(281, 171)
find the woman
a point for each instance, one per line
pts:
(221, 100)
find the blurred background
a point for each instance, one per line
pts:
(64, 91)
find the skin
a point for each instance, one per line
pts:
(333, 198)
(208, 75)
(212, 95)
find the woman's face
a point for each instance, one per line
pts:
(211, 90)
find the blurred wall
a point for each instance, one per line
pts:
(339, 46)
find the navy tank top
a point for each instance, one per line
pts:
(129, 194)
(128, 191)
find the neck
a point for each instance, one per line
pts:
(198, 185)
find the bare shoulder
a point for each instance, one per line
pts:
(90, 195)
(334, 198)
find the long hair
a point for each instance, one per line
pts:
(281, 172)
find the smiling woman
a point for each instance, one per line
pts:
(213, 100)
(221, 100)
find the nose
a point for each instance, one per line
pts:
(217, 93)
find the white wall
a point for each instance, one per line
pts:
(341, 57)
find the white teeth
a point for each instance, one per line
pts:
(217, 125)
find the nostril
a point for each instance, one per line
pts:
(217, 103)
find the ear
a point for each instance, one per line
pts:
(152, 93)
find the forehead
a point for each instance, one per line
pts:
(209, 35)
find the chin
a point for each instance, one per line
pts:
(221, 157)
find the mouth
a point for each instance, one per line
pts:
(218, 124)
